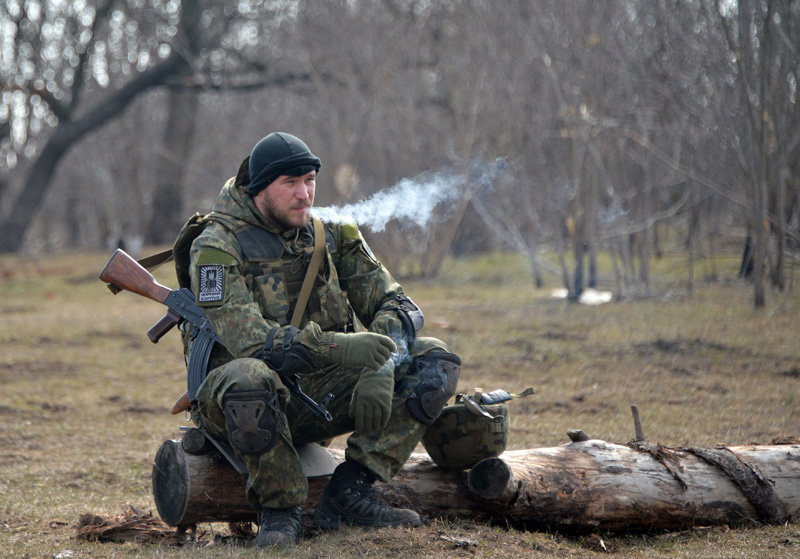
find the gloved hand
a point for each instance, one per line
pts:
(363, 349)
(371, 404)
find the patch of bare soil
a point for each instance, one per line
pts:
(679, 346)
(17, 309)
(133, 340)
(143, 410)
(34, 370)
(562, 335)
(127, 405)
(793, 372)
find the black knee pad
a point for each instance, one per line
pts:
(434, 377)
(252, 419)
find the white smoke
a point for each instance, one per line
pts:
(411, 201)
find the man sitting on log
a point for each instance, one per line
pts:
(354, 336)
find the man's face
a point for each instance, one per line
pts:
(287, 201)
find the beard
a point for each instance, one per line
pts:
(285, 219)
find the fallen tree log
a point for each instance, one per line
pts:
(594, 485)
(584, 486)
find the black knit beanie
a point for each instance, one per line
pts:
(279, 154)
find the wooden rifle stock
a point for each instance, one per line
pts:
(126, 273)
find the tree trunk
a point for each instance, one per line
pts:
(167, 215)
(580, 487)
(12, 231)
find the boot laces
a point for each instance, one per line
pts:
(362, 498)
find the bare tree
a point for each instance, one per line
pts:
(73, 67)
(735, 75)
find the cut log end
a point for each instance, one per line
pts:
(170, 483)
(493, 480)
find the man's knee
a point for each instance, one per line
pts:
(253, 420)
(239, 375)
(248, 374)
(431, 381)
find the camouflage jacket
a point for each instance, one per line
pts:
(246, 275)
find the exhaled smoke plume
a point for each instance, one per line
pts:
(413, 201)
(410, 200)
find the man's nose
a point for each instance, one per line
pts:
(303, 193)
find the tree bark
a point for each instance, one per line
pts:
(584, 486)
(594, 485)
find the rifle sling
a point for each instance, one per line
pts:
(311, 274)
(152, 262)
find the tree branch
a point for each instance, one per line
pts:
(675, 165)
(80, 76)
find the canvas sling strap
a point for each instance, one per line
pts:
(311, 273)
(154, 261)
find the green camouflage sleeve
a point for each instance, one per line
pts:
(368, 284)
(222, 292)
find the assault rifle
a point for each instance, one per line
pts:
(124, 273)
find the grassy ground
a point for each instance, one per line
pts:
(85, 399)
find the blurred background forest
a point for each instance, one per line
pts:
(571, 128)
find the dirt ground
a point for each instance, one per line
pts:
(86, 398)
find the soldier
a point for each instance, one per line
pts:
(357, 339)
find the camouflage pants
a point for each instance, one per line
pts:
(276, 479)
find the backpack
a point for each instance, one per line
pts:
(182, 247)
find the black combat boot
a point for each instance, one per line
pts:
(350, 500)
(278, 527)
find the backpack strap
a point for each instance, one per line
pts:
(311, 273)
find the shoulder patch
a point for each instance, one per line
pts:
(211, 272)
(211, 284)
(352, 234)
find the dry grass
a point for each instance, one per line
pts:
(86, 398)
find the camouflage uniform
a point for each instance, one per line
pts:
(246, 274)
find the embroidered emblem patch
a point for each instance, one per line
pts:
(211, 278)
